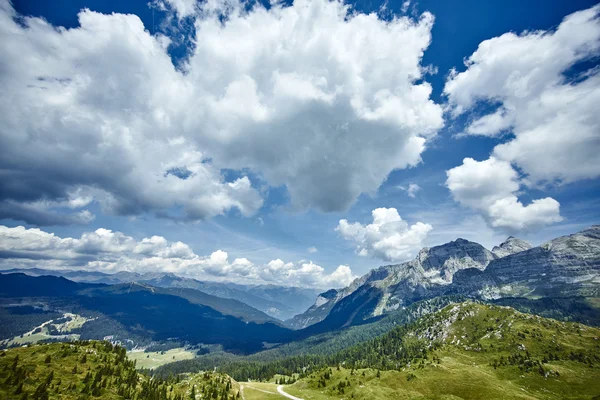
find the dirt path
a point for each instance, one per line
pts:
(289, 396)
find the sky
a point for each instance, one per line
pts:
(296, 143)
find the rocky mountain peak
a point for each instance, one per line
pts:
(511, 245)
(330, 294)
(458, 251)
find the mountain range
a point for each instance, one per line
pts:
(279, 302)
(162, 308)
(567, 266)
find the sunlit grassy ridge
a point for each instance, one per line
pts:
(470, 351)
(465, 351)
(154, 359)
(83, 370)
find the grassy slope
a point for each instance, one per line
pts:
(33, 368)
(58, 329)
(549, 360)
(155, 359)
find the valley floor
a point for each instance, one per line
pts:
(261, 390)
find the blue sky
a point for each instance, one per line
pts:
(279, 209)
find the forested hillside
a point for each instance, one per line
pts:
(454, 345)
(85, 370)
(321, 344)
(140, 313)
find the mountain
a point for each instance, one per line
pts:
(142, 313)
(327, 300)
(280, 302)
(564, 267)
(225, 306)
(316, 312)
(294, 299)
(510, 246)
(389, 287)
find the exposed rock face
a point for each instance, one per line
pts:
(511, 246)
(325, 301)
(389, 287)
(316, 312)
(566, 266)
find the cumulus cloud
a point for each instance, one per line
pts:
(546, 94)
(310, 96)
(307, 274)
(108, 251)
(312, 249)
(388, 237)
(491, 187)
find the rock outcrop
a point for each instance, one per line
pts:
(511, 246)
(566, 266)
(389, 287)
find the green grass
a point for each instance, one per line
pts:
(60, 331)
(85, 370)
(34, 364)
(152, 360)
(482, 352)
(260, 391)
(472, 351)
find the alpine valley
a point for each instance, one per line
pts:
(299, 200)
(459, 321)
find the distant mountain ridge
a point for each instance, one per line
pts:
(280, 302)
(566, 266)
(146, 313)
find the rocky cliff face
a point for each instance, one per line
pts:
(327, 300)
(511, 246)
(388, 288)
(566, 266)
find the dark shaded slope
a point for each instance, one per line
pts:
(148, 312)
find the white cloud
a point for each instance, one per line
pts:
(307, 274)
(490, 124)
(312, 249)
(554, 118)
(405, 5)
(93, 107)
(388, 237)
(309, 96)
(490, 187)
(411, 190)
(108, 251)
(184, 8)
